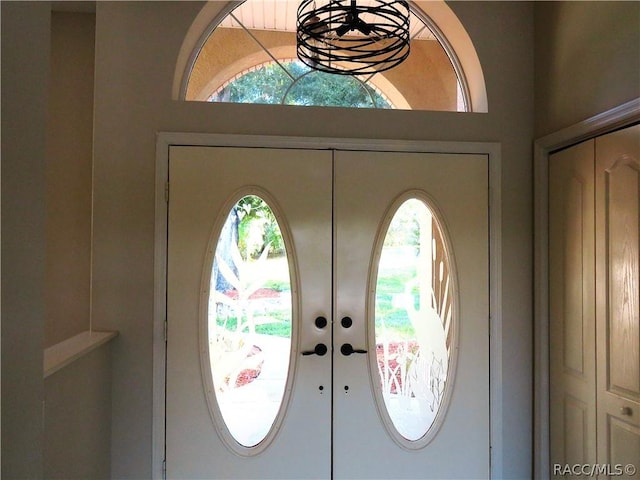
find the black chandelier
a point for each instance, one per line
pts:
(347, 38)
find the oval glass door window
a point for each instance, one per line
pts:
(249, 320)
(414, 322)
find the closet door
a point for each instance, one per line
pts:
(618, 297)
(572, 306)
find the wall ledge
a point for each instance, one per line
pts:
(66, 352)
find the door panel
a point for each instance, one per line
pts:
(618, 296)
(457, 185)
(202, 181)
(572, 306)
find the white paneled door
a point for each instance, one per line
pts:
(328, 314)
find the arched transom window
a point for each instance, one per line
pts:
(249, 56)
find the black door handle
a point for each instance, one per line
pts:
(347, 349)
(320, 350)
(321, 322)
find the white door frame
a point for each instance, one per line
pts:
(616, 118)
(166, 139)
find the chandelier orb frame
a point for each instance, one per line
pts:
(347, 38)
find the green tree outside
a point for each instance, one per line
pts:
(271, 84)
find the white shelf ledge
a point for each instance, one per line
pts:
(62, 354)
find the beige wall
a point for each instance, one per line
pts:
(68, 176)
(25, 73)
(587, 60)
(77, 439)
(135, 60)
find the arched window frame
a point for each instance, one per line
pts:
(437, 15)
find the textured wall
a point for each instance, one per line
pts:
(68, 176)
(77, 428)
(25, 69)
(587, 60)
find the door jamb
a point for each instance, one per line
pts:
(164, 140)
(616, 118)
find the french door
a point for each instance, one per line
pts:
(359, 348)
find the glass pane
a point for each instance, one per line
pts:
(266, 84)
(231, 66)
(250, 312)
(413, 315)
(328, 90)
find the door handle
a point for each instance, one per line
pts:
(347, 349)
(346, 322)
(320, 349)
(321, 322)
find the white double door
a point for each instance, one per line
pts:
(333, 204)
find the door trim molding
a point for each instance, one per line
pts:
(164, 140)
(606, 122)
